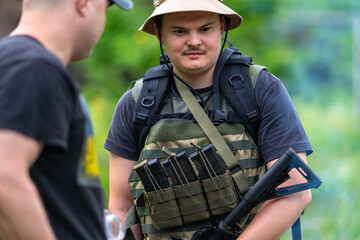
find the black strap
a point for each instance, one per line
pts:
(296, 230)
(152, 119)
(156, 80)
(236, 85)
(245, 93)
(241, 82)
(223, 58)
(216, 116)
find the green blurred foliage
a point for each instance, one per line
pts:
(334, 131)
(308, 44)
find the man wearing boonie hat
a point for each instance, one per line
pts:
(49, 174)
(191, 33)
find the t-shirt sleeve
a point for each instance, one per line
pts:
(280, 126)
(34, 100)
(120, 139)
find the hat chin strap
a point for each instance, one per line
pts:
(227, 22)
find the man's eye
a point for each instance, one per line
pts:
(206, 29)
(179, 31)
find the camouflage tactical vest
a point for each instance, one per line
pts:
(180, 212)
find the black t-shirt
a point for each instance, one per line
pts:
(38, 98)
(279, 129)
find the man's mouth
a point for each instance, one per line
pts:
(194, 54)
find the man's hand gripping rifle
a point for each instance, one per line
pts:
(264, 189)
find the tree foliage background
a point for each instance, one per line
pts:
(312, 46)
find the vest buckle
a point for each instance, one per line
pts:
(140, 117)
(218, 116)
(253, 116)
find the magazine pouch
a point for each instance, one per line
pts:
(164, 209)
(220, 193)
(159, 195)
(191, 201)
(187, 187)
(216, 179)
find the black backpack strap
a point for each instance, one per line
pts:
(151, 98)
(236, 85)
(296, 230)
(223, 58)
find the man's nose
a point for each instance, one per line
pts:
(193, 39)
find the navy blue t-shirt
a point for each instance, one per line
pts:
(280, 126)
(39, 99)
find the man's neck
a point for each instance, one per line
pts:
(198, 80)
(46, 31)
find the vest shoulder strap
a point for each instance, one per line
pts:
(237, 82)
(148, 100)
(255, 72)
(136, 89)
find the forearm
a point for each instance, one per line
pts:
(276, 217)
(120, 199)
(22, 215)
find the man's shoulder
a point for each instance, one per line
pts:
(254, 71)
(265, 80)
(25, 62)
(20, 49)
(17, 48)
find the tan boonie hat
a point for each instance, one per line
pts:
(170, 6)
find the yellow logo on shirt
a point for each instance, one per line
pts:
(91, 162)
(89, 171)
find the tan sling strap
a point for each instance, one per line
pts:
(212, 133)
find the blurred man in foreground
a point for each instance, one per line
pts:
(49, 175)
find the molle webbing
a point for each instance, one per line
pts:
(166, 133)
(241, 144)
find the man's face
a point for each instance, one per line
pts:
(192, 41)
(93, 28)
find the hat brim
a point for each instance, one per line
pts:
(123, 4)
(172, 6)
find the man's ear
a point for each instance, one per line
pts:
(223, 24)
(81, 6)
(157, 32)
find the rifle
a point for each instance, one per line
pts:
(264, 189)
